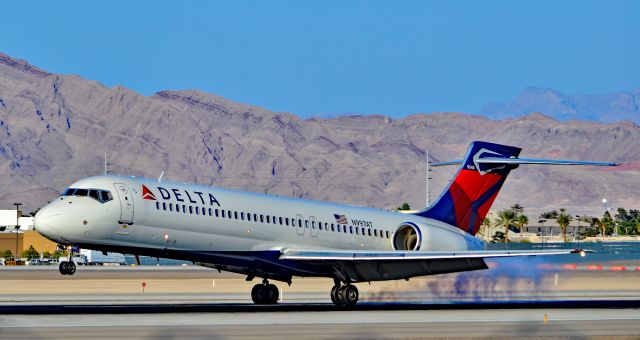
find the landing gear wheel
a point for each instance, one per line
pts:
(270, 294)
(334, 293)
(67, 267)
(350, 295)
(265, 294)
(71, 268)
(344, 296)
(255, 294)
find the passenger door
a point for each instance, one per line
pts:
(126, 203)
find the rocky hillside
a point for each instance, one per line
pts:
(609, 107)
(55, 129)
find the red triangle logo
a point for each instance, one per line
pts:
(147, 194)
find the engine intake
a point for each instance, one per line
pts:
(407, 237)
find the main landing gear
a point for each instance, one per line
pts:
(345, 295)
(67, 267)
(265, 293)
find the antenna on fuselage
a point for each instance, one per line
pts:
(160, 178)
(105, 163)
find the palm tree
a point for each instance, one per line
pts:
(505, 219)
(517, 209)
(484, 226)
(563, 221)
(522, 220)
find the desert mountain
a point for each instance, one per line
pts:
(609, 107)
(55, 129)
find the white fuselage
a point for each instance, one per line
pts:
(166, 218)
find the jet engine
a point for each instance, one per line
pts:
(407, 237)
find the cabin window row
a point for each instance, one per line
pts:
(285, 221)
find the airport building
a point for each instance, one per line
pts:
(22, 237)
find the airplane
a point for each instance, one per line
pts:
(276, 238)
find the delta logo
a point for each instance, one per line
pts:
(147, 194)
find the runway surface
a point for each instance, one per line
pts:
(100, 303)
(330, 324)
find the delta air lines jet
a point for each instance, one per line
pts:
(277, 238)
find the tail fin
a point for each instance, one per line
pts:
(467, 199)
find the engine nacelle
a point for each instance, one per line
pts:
(407, 236)
(418, 236)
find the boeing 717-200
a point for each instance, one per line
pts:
(277, 238)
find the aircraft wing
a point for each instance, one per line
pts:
(358, 266)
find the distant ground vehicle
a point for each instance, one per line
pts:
(94, 257)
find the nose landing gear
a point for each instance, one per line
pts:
(344, 295)
(265, 293)
(67, 267)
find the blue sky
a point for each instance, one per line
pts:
(335, 57)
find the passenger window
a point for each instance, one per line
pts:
(388, 234)
(261, 219)
(158, 205)
(190, 210)
(357, 230)
(268, 219)
(170, 206)
(369, 231)
(333, 227)
(222, 213)
(280, 219)
(375, 232)
(286, 221)
(210, 212)
(306, 224)
(235, 214)
(351, 230)
(242, 216)
(164, 206)
(216, 212)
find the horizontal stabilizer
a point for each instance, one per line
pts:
(498, 160)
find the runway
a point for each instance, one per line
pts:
(329, 324)
(101, 302)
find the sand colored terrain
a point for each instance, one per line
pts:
(103, 282)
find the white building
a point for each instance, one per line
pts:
(8, 221)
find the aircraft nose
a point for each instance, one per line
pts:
(44, 222)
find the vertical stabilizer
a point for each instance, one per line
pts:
(468, 197)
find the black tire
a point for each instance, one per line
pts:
(351, 295)
(71, 268)
(334, 292)
(273, 294)
(62, 267)
(340, 297)
(256, 294)
(266, 295)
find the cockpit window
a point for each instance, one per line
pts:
(101, 196)
(106, 196)
(81, 192)
(94, 194)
